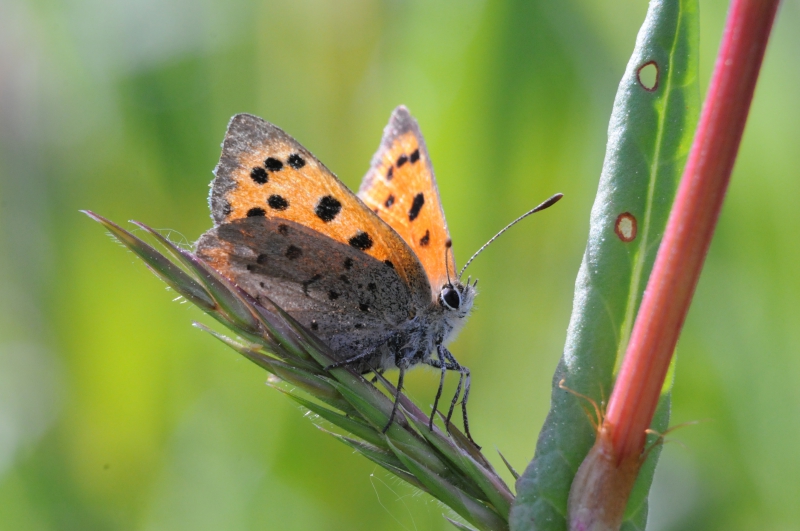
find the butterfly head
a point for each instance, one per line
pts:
(456, 298)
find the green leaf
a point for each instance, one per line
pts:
(649, 136)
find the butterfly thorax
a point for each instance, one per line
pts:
(438, 324)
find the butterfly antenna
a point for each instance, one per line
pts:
(447, 266)
(547, 204)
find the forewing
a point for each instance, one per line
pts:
(264, 173)
(400, 187)
(351, 300)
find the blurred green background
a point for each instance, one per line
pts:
(116, 414)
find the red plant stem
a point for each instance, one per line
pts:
(690, 227)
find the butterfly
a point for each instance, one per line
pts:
(372, 275)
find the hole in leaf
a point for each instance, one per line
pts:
(648, 76)
(625, 227)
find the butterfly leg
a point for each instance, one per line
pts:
(377, 372)
(444, 362)
(455, 397)
(466, 378)
(402, 364)
(439, 364)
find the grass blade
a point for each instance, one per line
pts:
(508, 465)
(356, 427)
(495, 491)
(465, 505)
(173, 275)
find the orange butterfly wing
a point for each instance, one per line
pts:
(265, 172)
(401, 189)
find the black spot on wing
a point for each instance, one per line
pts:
(256, 212)
(425, 240)
(389, 201)
(296, 161)
(293, 253)
(416, 206)
(414, 156)
(259, 175)
(402, 159)
(277, 202)
(361, 241)
(363, 306)
(348, 263)
(273, 164)
(390, 173)
(328, 208)
(262, 259)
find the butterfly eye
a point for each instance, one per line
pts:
(451, 298)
